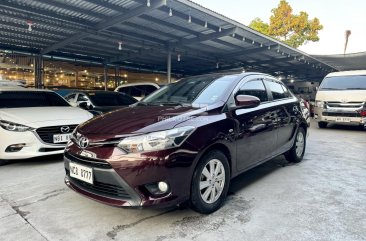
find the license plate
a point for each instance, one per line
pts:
(61, 138)
(343, 119)
(82, 173)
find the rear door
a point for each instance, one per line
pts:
(286, 109)
(256, 132)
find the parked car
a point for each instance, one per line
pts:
(186, 141)
(35, 123)
(99, 102)
(341, 99)
(138, 90)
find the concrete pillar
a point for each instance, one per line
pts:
(169, 66)
(38, 72)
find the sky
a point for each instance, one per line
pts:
(336, 16)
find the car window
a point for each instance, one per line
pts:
(277, 90)
(111, 99)
(20, 99)
(255, 88)
(149, 89)
(82, 97)
(70, 97)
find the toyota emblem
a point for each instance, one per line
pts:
(65, 129)
(83, 142)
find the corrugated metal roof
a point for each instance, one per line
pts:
(202, 38)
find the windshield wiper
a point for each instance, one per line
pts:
(172, 104)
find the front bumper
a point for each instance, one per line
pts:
(350, 117)
(33, 146)
(122, 182)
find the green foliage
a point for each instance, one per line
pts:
(294, 30)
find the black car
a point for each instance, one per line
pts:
(99, 102)
(184, 142)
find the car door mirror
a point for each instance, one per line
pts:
(85, 105)
(246, 101)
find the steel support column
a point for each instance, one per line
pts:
(105, 76)
(169, 66)
(38, 72)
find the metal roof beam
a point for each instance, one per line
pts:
(206, 37)
(106, 24)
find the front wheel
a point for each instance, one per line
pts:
(3, 162)
(322, 124)
(210, 183)
(296, 153)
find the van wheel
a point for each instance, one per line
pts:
(322, 124)
(210, 183)
(296, 153)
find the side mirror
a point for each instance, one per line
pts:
(85, 105)
(246, 101)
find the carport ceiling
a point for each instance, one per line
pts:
(198, 39)
(355, 61)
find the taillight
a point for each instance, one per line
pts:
(363, 113)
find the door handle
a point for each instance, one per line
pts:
(257, 128)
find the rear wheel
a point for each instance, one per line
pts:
(3, 162)
(322, 124)
(210, 183)
(296, 153)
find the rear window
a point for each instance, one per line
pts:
(20, 99)
(356, 82)
(111, 99)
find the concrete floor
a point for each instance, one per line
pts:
(321, 198)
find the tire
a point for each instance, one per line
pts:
(297, 151)
(200, 201)
(3, 162)
(322, 124)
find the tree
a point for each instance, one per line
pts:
(294, 30)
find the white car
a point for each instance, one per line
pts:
(138, 90)
(35, 123)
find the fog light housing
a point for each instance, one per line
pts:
(15, 147)
(158, 188)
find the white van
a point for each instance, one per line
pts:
(341, 99)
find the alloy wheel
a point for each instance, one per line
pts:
(212, 181)
(300, 144)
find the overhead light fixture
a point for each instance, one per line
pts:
(189, 19)
(148, 4)
(292, 80)
(261, 45)
(269, 47)
(30, 24)
(233, 35)
(206, 24)
(120, 45)
(178, 57)
(217, 65)
(170, 12)
(243, 38)
(253, 42)
(220, 29)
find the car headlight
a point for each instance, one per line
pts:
(10, 126)
(319, 103)
(156, 141)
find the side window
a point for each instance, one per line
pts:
(70, 97)
(125, 90)
(277, 90)
(287, 92)
(82, 97)
(137, 91)
(149, 89)
(255, 88)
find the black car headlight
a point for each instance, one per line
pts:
(10, 126)
(156, 141)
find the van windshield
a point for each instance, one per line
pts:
(357, 82)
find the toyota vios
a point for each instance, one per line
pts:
(185, 142)
(35, 123)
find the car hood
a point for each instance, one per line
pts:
(342, 95)
(139, 119)
(45, 116)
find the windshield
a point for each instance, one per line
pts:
(356, 82)
(20, 99)
(111, 99)
(201, 90)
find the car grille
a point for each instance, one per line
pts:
(88, 161)
(345, 104)
(342, 114)
(101, 188)
(46, 133)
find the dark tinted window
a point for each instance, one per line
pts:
(277, 90)
(19, 99)
(255, 88)
(344, 83)
(111, 99)
(82, 97)
(70, 97)
(149, 89)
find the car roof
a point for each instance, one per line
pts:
(137, 84)
(347, 73)
(14, 88)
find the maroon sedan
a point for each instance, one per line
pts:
(185, 142)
